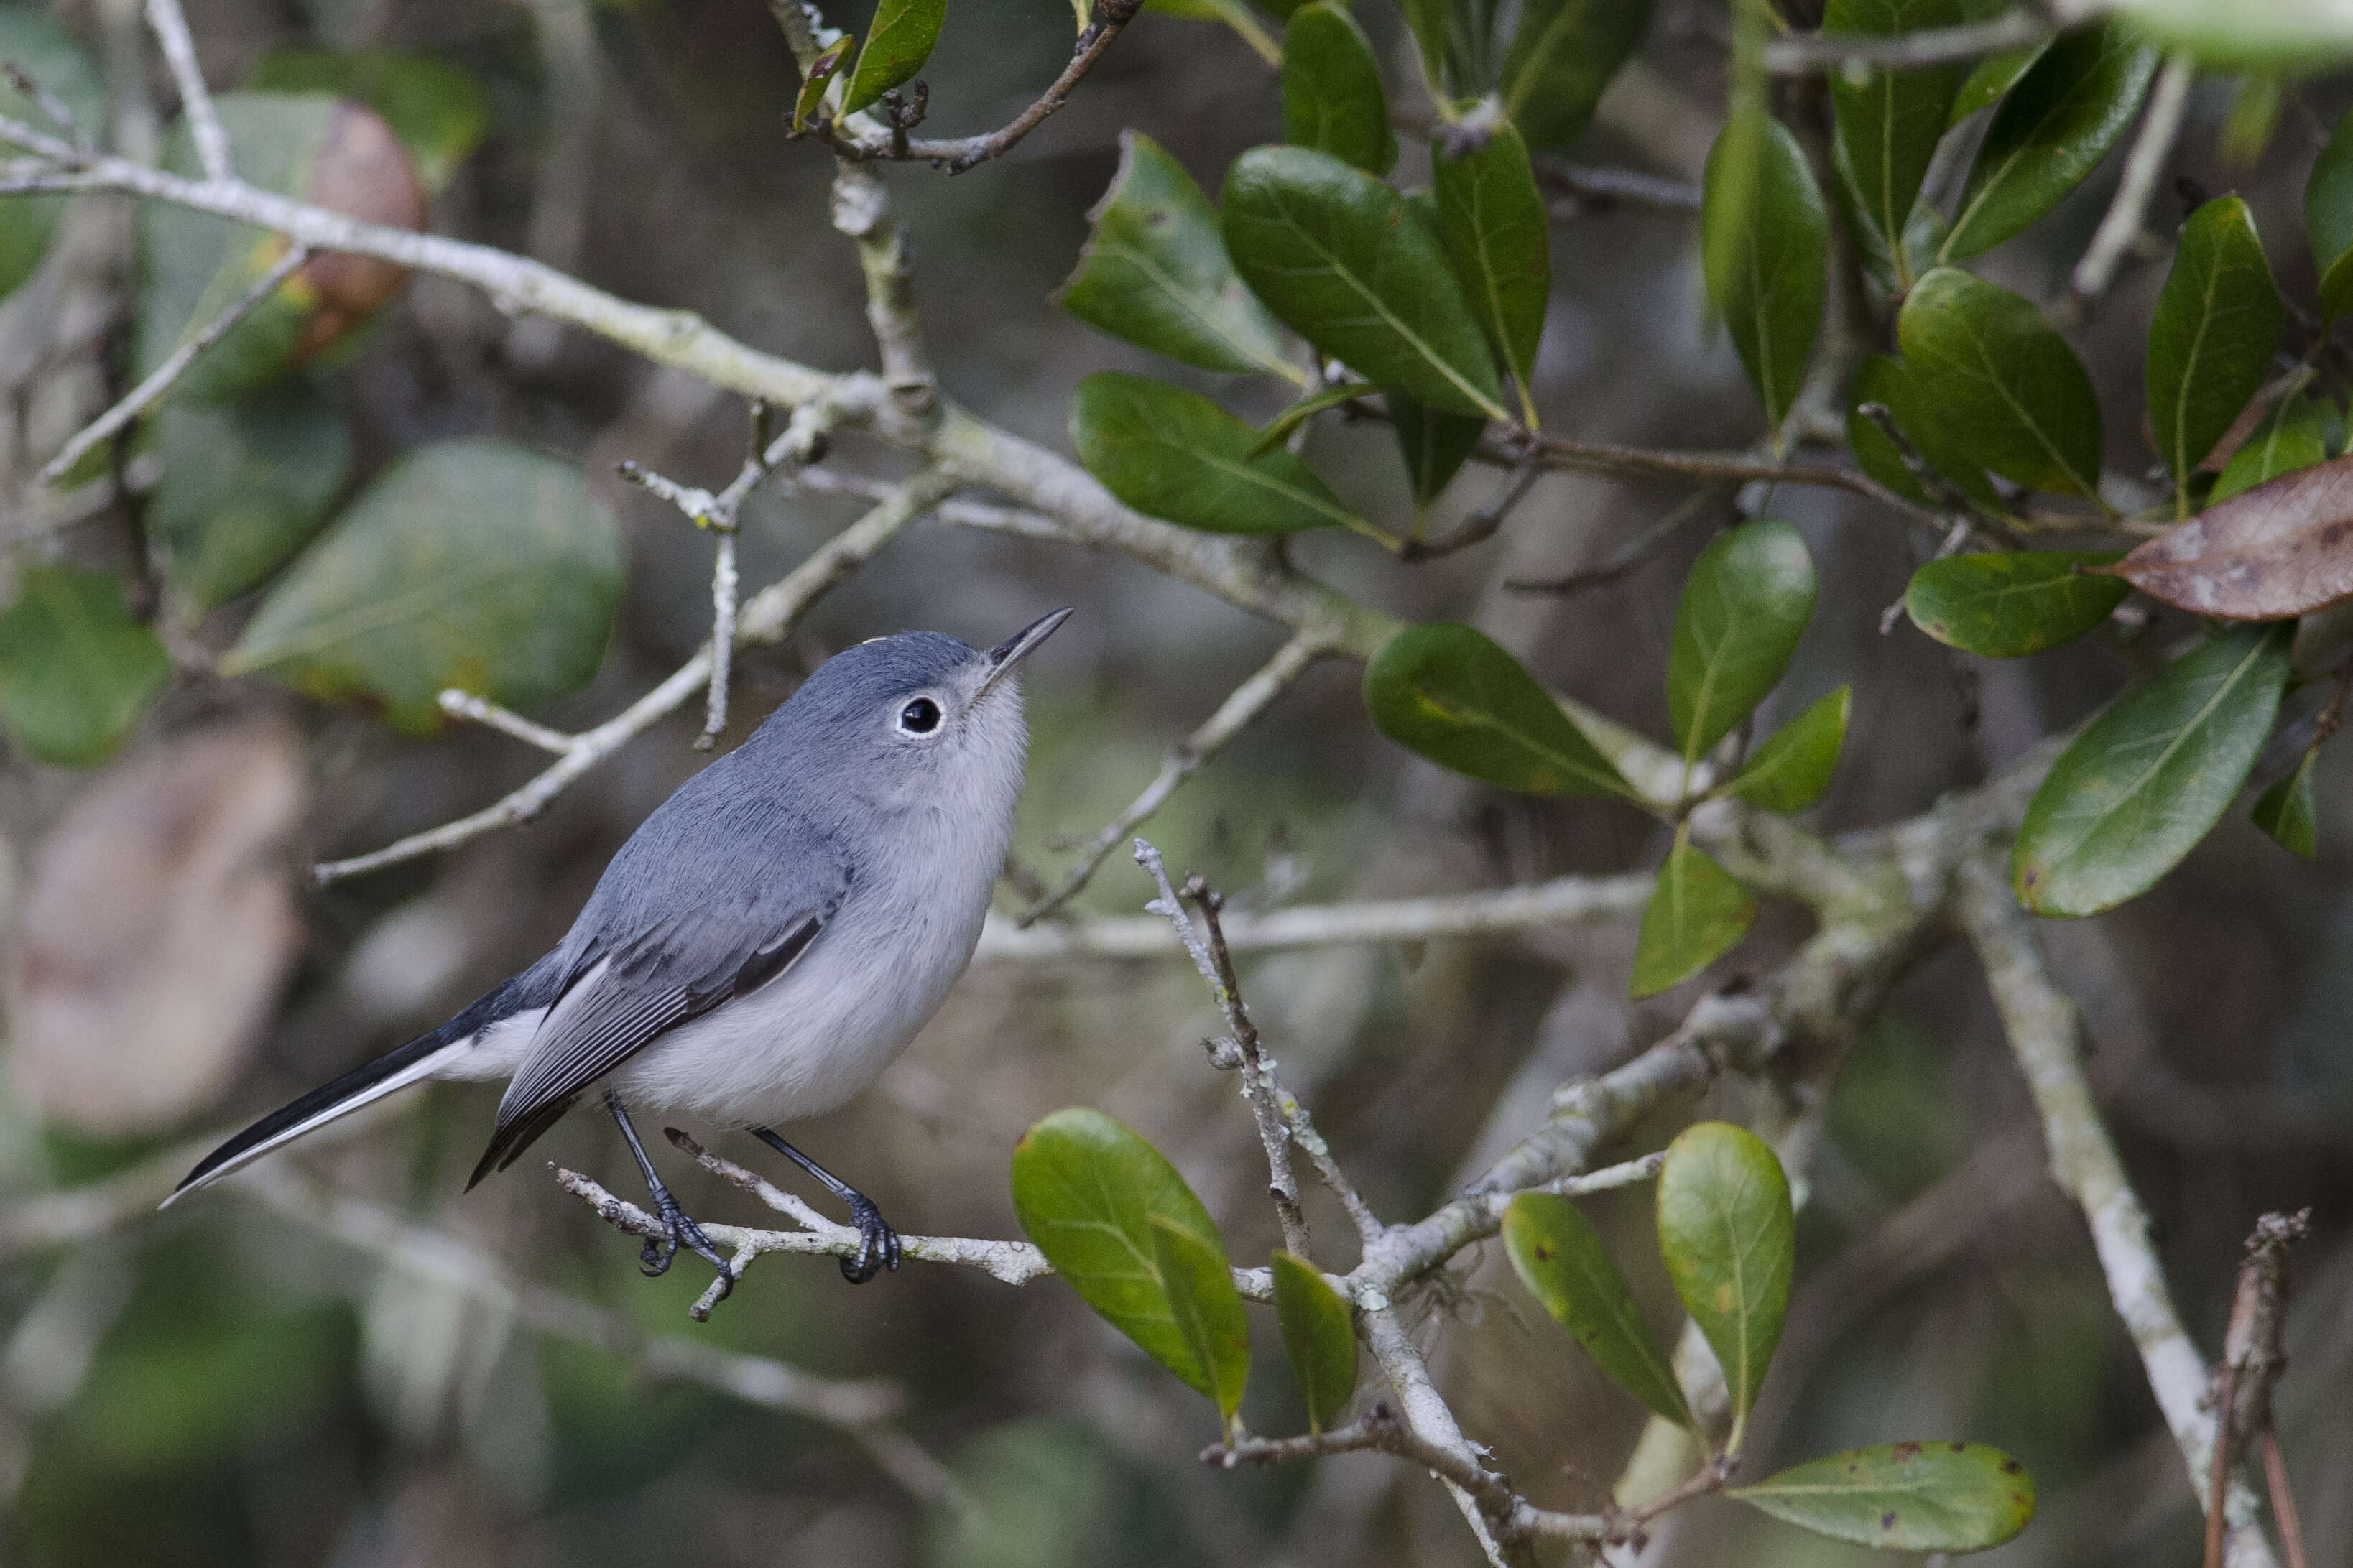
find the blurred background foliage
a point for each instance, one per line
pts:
(219, 1384)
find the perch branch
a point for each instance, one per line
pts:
(195, 101)
(1808, 54)
(2122, 223)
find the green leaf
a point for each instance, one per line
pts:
(1174, 454)
(1494, 223)
(1792, 769)
(75, 669)
(1992, 79)
(2289, 812)
(2304, 36)
(2014, 603)
(1206, 1307)
(1725, 1232)
(2328, 218)
(1744, 606)
(1766, 259)
(476, 564)
(1923, 231)
(1561, 1260)
(897, 44)
(1903, 1497)
(1697, 913)
(2051, 132)
(1563, 54)
(821, 71)
(1155, 272)
(438, 108)
(1889, 122)
(1331, 98)
(244, 485)
(30, 38)
(1277, 430)
(1331, 251)
(1087, 1190)
(1886, 381)
(1320, 1336)
(1434, 445)
(1449, 694)
(2151, 776)
(2007, 388)
(1453, 39)
(2217, 321)
(2293, 435)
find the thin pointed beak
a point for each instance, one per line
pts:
(1014, 649)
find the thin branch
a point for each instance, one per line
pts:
(1808, 54)
(141, 398)
(2047, 1035)
(474, 711)
(1235, 714)
(195, 101)
(1608, 457)
(1565, 901)
(1382, 1431)
(2143, 166)
(1629, 557)
(49, 104)
(2290, 1526)
(1479, 526)
(1590, 187)
(765, 619)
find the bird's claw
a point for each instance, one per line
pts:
(656, 1255)
(878, 1243)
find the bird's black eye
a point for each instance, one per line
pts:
(919, 716)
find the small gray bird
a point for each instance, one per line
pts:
(764, 942)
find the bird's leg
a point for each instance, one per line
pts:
(878, 1243)
(655, 1257)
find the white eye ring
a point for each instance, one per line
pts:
(921, 716)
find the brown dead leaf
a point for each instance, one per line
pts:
(2279, 550)
(159, 921)
(364, 171)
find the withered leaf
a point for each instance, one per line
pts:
(2279, 550)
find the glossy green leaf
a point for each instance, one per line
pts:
(31, 39)
(2051, 130)
(1766, 259)
(1278, 430)
(1332, 97)
(1562, 1261)
(1319, 1335)
(1174, 454)
(1886, 381)
(1726, 1231)
(1561, 56)
(1207, 1309)
(2008, 390)
(2290, 811)
(1087, 1190)
(809, 101)
(898, 42)
(1155, 272)
(2328, 218)
(477, 563)
(1332, 252)
(437, 107)
(1449, 694)
(75, 669)
(1903, 1497)
(1435, 445)
(2151, 776)
(2009, 604)
(1991, 79)
(1923, 231)
(2210, 341)
(1889, 122)
(2293, 435)
(1791, 770)
(2304, 36)
(1494, 226)
(244, 485)
(1698, 912)
(1744, 607)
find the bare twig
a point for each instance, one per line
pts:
(1382, 1430)
(49, 103)
(2290, 1526)
(2143, 165)
(474, 711)
(1628, 557)
(1590, 187)
(196, 102)
(1810, 53)
(1479, 526)
(141, 398)
(1235, 714)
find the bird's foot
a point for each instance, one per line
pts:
(656, 1255)
(878, 1243)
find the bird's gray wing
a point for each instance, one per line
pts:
(626, 990)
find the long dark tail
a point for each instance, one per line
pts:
(364, 1084)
